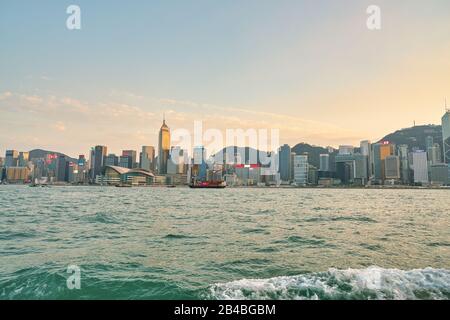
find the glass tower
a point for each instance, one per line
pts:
(446, 136)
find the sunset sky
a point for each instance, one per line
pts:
(309, 68)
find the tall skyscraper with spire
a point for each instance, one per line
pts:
(163, 147)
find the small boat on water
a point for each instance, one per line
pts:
(208, 185)
(34, 185)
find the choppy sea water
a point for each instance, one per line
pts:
(158, 243)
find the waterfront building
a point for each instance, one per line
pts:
(147, 158)
(324, 162)
(98, 155)
(366, 150)
(125, 162)
(81, 170)
(284, 163)
(380, 152)
(361, 169)
(392, 168)
(248, 174)
(352, 168)
(82, 160)
(176, 179)
(23, 159)
(434, 154)
(71, 170)
(111, 160)
(176, 163)
(301, 170)
(293, 154)
(119, 175)
(61, 168)
(40, 169)
(131, 155)
(11, 158)
(440, 174)
(199, 166)
(404, 164)
(446, 136)
(17, 174)
(420, 166)
(313, 175)
(163, 148)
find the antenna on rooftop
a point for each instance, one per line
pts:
(446, 107)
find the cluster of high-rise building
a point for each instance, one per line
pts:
(382, 163)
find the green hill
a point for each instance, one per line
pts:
(39, 153)
(415, 137)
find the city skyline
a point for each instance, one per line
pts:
(380, 163)
(59, 88)
(164, 127)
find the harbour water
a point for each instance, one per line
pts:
(179, 243)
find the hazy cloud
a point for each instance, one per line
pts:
(123, 124)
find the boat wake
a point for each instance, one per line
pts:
(373, 283)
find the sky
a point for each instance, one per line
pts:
(311, 69)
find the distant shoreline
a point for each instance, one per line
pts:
(254, 187)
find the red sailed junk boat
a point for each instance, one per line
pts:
(208, 184)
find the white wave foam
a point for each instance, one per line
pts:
(370, 283)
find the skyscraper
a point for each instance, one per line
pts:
(380, 152)
(439, 174)
(163, 148)
(366, 150)
(392, 168)
(301, 170)
(11, 158)
(23, 159)
(420, 166)
(324, 162)
(434, 154)
(285, 163)
(199, 168)
(131, 156)
(98, 155)
(147, 158)
(352, 168)
(81, 174)
(446, 136)
(404, 163)
(124, 162)
(61, 168)
(176, 162)
(111, 160)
